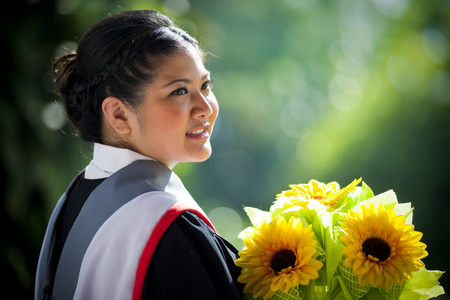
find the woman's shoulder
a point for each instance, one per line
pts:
(189, 242)
(119, 243)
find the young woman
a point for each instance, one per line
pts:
(126, 228)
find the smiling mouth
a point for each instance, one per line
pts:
(199, 134)
(196, 132)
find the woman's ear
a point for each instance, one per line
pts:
(117, 115)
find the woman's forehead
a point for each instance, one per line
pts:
(184, 63)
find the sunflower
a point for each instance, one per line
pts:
(327, 194)
(278, 257)
(381, 248)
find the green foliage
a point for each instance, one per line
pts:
(331, 90)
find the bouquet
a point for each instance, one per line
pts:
(318, 241)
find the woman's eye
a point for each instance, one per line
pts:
(207, 85)
(180, 91)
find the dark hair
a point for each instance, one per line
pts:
(116, 57)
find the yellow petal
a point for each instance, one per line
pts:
(405, 246)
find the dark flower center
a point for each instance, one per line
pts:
(377, 248)
(283, 259)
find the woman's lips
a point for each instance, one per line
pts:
(199, 133)
(196, 131)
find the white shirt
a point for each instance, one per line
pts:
(108, 160)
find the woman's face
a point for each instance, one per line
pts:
(175, 121)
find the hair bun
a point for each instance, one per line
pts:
(64, 66)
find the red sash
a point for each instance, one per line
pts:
(156, 235)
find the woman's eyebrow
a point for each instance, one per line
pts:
(186, 80)
(178, 80)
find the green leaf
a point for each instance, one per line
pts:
(333, 246)
(359, 194)
(388, 199)
(350, 200)
(423, 285)
(338, 290)
(293, 211)
(247, 233)
(257, 217)
(366, 192)
(404, 209)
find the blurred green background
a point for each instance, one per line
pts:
(331, 90)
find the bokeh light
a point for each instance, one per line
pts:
(330, 90)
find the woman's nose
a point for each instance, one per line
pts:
(204, 105)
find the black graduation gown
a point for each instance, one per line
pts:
(190, 261)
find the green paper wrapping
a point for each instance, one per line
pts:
(295, 293)
(351, 280)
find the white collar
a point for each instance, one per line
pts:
(108, 159)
